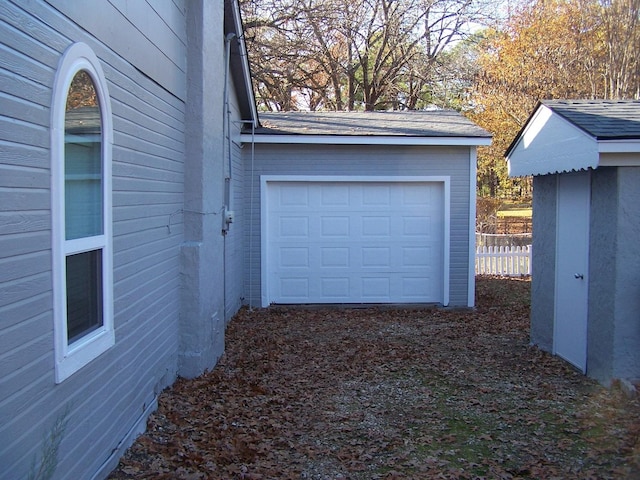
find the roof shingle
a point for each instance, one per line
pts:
(602, 119)
(433, 123)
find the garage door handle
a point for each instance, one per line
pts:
(579, 275)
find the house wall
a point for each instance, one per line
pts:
(202, 273)
(543, 261)
(234, 238)
(361, 160)
(109, 398)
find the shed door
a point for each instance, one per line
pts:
(572, 265)
(354, 242)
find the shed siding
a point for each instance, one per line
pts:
(108, 396)
(544, 261)
(627, 295)
(363, 161)
(602, 272)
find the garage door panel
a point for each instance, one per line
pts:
(335, 287)
(331, 195)
(376, 257)
(417, 226)
(334, 226)
(416, 287)
(294, 288)
(333, 257)
(294, 257)
(415, 195)
(378, 226)
(355, 242)
(376, 195)
(297, 227)
(418, 257)
(376, 288)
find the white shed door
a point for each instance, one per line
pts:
(354, 242)
(572, 265)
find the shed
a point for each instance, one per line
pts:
(585, 159)
(362, 208)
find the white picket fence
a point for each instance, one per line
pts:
(508, 261)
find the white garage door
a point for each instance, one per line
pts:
(354, 242)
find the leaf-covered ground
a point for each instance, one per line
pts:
(388, 394)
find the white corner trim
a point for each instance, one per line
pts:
(447, 238)
(473, 159)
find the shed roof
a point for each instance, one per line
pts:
(567, 135)
(435, 127)
(602, 119)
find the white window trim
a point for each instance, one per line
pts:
(69, 358)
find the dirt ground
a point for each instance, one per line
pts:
(389, 394)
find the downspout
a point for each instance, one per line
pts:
(227, 216)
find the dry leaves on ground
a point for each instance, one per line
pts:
(381, 393)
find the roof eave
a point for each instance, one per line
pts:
(300, 139)
(240, 69)
(631, 145)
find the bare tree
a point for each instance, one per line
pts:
(349, 54)
(621, 24)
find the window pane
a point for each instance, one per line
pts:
(84, 293)
(83, 160)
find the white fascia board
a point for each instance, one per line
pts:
(551, 144)
(620, 159)
(619, 146)
(364, 140)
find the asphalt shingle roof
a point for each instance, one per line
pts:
(433, 123)
(602, 119)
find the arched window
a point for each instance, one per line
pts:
(81, 138)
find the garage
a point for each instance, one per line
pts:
(353, 208)
(354, 240)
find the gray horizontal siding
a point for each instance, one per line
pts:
(234, 239)
(158, 33)
(362, 161)
(107, 396)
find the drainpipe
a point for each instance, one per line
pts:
(228, 214)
